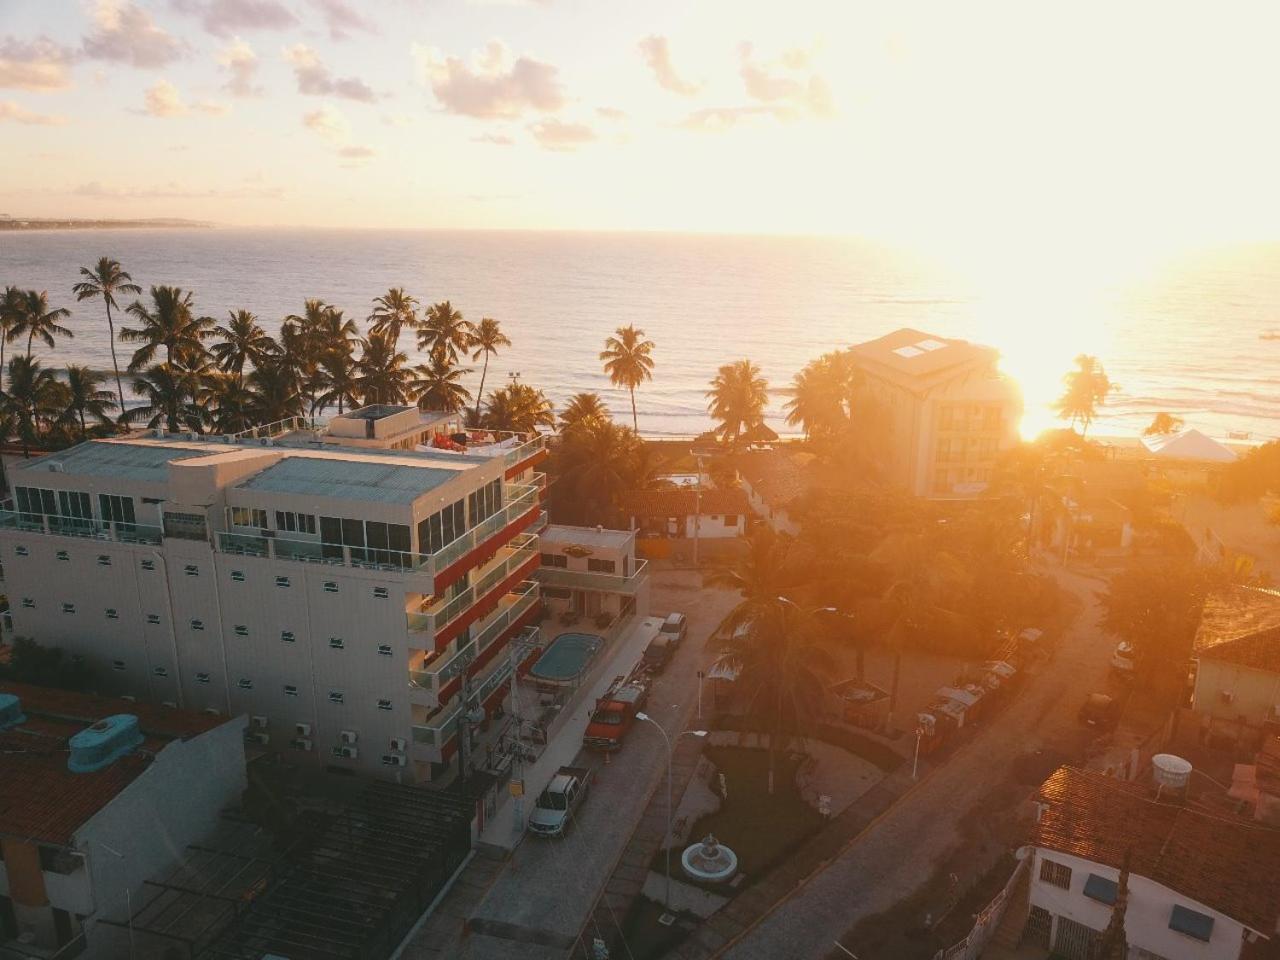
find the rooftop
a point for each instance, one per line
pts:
(42, 800)
(376, 411)
(558, 534)
(683, 501)
(1241, 625)
(909, 354)
(125, 459)
(389, 481)
(1228, 865)
(777, 477)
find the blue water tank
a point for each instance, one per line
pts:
(105, 742)
(10, 711)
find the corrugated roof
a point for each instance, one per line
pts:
(349, 479)
(129, 461)
(1241, 625)
(683, 501)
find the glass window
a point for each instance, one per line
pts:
(117, 664)
(1192, 923)
(191, 570)
(237, 576)
(555, 560)
(116, 509)
(287, 636)
(63, 555)
(384, 649)
(104, 560)
(290, 690)
(335, 696)
(330, 586)
(1100, 889)
(202, 678)
(249, 517)
(336, 643)
(153, 618)
(241, 630)
(28, 603)
(601, 566)
(295, 522)
(148, 564)
(380, 593)
(35, 501)
(72, 503)
(197, 624)
(384, 704)
(160, 672)
(68, 608)
(282, 581)
(1058, 874)
(245, 683)
(112, 614)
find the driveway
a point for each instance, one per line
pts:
(893, 857)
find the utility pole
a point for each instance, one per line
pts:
(464, 722)
(516, 651)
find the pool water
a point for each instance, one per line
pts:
(567, 657)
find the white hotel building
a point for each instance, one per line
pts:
(332, 585)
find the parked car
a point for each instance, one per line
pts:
(675, 626)
(557, 803)
(1122, 661)
(1100, 711)
(658, 653)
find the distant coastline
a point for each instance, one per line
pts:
(75, 223)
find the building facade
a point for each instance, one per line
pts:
(950, 412)
(592, 574)
(683, 513)
(1237, 664)
(339, 596)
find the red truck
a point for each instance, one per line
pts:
(616, 710)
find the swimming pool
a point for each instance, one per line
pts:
(566, 659)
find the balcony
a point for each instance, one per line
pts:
(508, 561)
(85, 529)
(442, 729)
(591, 580)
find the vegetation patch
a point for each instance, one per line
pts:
(859, 744)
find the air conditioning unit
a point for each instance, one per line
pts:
(264, 441)
(302, 729)
(394, 760)
(399, 744)
(300, 743)
(350, 736)
(260, 738)
(56, 467)
(211, 711)
(347, 753)
(1228, 696)
(260, 722)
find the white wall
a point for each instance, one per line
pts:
(1255, 692)
(713, 527)
(1146, 920)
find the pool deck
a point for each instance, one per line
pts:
(500, 835)
(556, 646)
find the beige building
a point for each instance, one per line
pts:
(592, 574)
(336, 594)
(950, 410)
(1237, 657)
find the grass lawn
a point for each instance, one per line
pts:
(761, 829)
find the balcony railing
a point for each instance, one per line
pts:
(443, 669)
(89, 529)
(521, 499)
(592, 580)
(439, 731)
(440, 617)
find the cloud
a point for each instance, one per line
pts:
(715, 119)
(552, 134)
(492, 85)
(314, 78)
(125, 33)
(38, 64)
(224, 18)
(497, 139)
(657, 54)
(357, 153)
(342, 19)
(173, 191)
(397, 120)
(241, 65)
(213, 108)
(787, 83)
(611, 113)
(163, 100)
(327, 122)
(10, 111)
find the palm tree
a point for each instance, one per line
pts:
(737, 398)
(486, 340)
(1087, 388)
(274, 393)
(340, 378)
(628, 362)
(305, 340)
(598, 461)
(34, 397)
(10, 308)
(35, 318)
(171, 323)
(241, 341)
(518, 408)
(227, 401)
(774, 565)
(444, 332)
(382, 376)
(436, 386)
(105, 279)
(1163, 424)
(581, 408)
(392, 311)
(168, 393)
(85, 399)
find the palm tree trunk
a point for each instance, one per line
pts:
(83, 431)
(480, 393)
(635, 424)
(30, 334)
(111, 328)
(4, 338)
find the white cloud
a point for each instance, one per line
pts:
(224, 18)
(12, 112)
(787, 83)
(38, 64)
(163, 100)
(492, 85)
(657, 54)
(553, 134)
(315, 79)
(212, 107)
(343, 19)
(125, 33)
(240, 63)
(174, 191)
(327, 122)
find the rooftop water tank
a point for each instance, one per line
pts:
(1170, 773)
(10, 711)
(103, 743)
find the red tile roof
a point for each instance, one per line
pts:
(1229, 865)
(681, 502)
(40, 799)
(1241, 625)
(777, 477)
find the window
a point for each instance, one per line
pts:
(112, 614)
(191, 570)
(249, 517)
(441, 529)
(73, 503)
(730, 519)
(336, 643)
(380, 593)
(1192, 923)
(335, 696)
(116, 509)
(1055, 873)
(384, 704)
(241, 630)
(373, 542)
(35, 501)
(160, 672)
(20, 551)
(1100, 889)
(202, 678)
(282, 581)
(104, 560)
(148, 564)
(153, 618)
(244, 683)
(557, 593)
(330, 587)
(237, 576)
(185, 526)
(555, 560)
(601, 566)
(28, 603)
(295, 522)
(117, 664)
(68, 608)
(197, 624)
(384, 649)
(63, 555)
(290, 690)
(485, 502)
(287, 636)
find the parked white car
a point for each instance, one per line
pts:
(1122, 660)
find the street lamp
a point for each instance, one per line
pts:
(670, 751)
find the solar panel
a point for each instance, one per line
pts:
(930, 345)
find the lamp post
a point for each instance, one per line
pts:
(667, 739)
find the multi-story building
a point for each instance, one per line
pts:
(340, 586)
(950, 410)
(592, 573)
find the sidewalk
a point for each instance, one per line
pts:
(503, 832)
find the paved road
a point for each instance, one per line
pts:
(897, 853)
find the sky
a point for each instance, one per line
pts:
(984, 129)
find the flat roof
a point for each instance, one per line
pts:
(349, 479)
(148, 462)
(560, 534)
(376, 411)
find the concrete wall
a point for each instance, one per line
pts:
(1255, 693)
(776, 517)
(1146, 921)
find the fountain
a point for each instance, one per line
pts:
(709, 861)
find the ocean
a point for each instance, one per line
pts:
(1185, 336)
